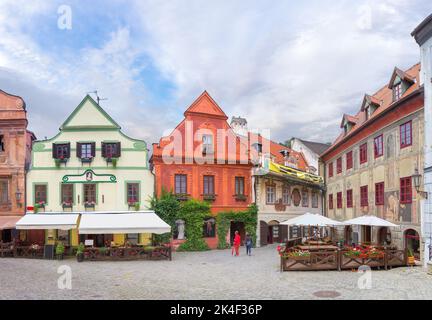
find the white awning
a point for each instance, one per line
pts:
(310, 219)
(61, 221)
(118, 223)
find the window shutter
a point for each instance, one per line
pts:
(54, 154)
(93, 149)
(103, 150)
(78, 153)
(118, 151)
(68, 150)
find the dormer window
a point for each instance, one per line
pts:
(207, 144)
(397, 91)
(367, 113)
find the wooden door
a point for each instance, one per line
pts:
(263, 233)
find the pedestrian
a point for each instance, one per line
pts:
(237, 241)
(248, 244)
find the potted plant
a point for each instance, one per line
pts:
(114, 162)
(134, 204)
(60, 249)
(411, 259)
(80, 252)
(103, 251)
(39, 205)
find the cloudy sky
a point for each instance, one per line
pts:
(294, 68)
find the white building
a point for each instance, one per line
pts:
(423, 36)
(311, 151)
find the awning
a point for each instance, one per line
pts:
(61, 221)
(118, 223)
(8, 222)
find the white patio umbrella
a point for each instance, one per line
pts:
(311, 219)
(370, 220)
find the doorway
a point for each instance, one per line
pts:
(240, 227)
(367, 235)
(384, 236)
(412, 242)
(274, 231)
(348, 235)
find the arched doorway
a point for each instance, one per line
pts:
(384, 236)
(412, 242)
(348, 235)
(273, 232)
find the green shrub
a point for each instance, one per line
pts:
(60, 249)
(167, 208)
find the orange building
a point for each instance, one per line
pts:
(15, 146)
(204, 159)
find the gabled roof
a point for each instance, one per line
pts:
(347, 118)
(88, 105)
(316, 147)
(385, 96)
(370, 100)
(206, 106)
(402, 75)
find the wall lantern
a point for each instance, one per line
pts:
(416, 178)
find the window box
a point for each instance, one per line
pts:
(113, 161)
(182, 197)
(134, 204)
(89, 204)
(67, 205)
(209, 197)
(38, 206)
(240, 197)
(59, 161)
(86, 160)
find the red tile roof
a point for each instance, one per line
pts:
(384, 97)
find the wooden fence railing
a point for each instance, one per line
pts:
(341, 260)
(133, 253)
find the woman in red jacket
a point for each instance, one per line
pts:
(237, 241)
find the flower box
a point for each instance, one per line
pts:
(182, 197)
(240, 197)
(67, 205)
(209, 197)
(89, 205)
(86, 160)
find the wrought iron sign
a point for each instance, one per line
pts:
(89, 176)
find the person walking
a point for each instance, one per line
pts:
(237, 241)
(248, 244)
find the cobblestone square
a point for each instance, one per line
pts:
(205, 275)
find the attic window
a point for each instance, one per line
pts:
(207, 144)
(397, 91)
(367, 112)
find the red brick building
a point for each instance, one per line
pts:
(204, 159)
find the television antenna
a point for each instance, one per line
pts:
(98, 99)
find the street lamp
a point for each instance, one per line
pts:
(18, 195)
(416, 178)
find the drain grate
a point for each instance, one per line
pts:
(326, 294)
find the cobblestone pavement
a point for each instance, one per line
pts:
(205, 275)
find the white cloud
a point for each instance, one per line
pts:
(294, 68)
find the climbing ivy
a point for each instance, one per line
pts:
(249, 217)
(193, 212)
(167, 208)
